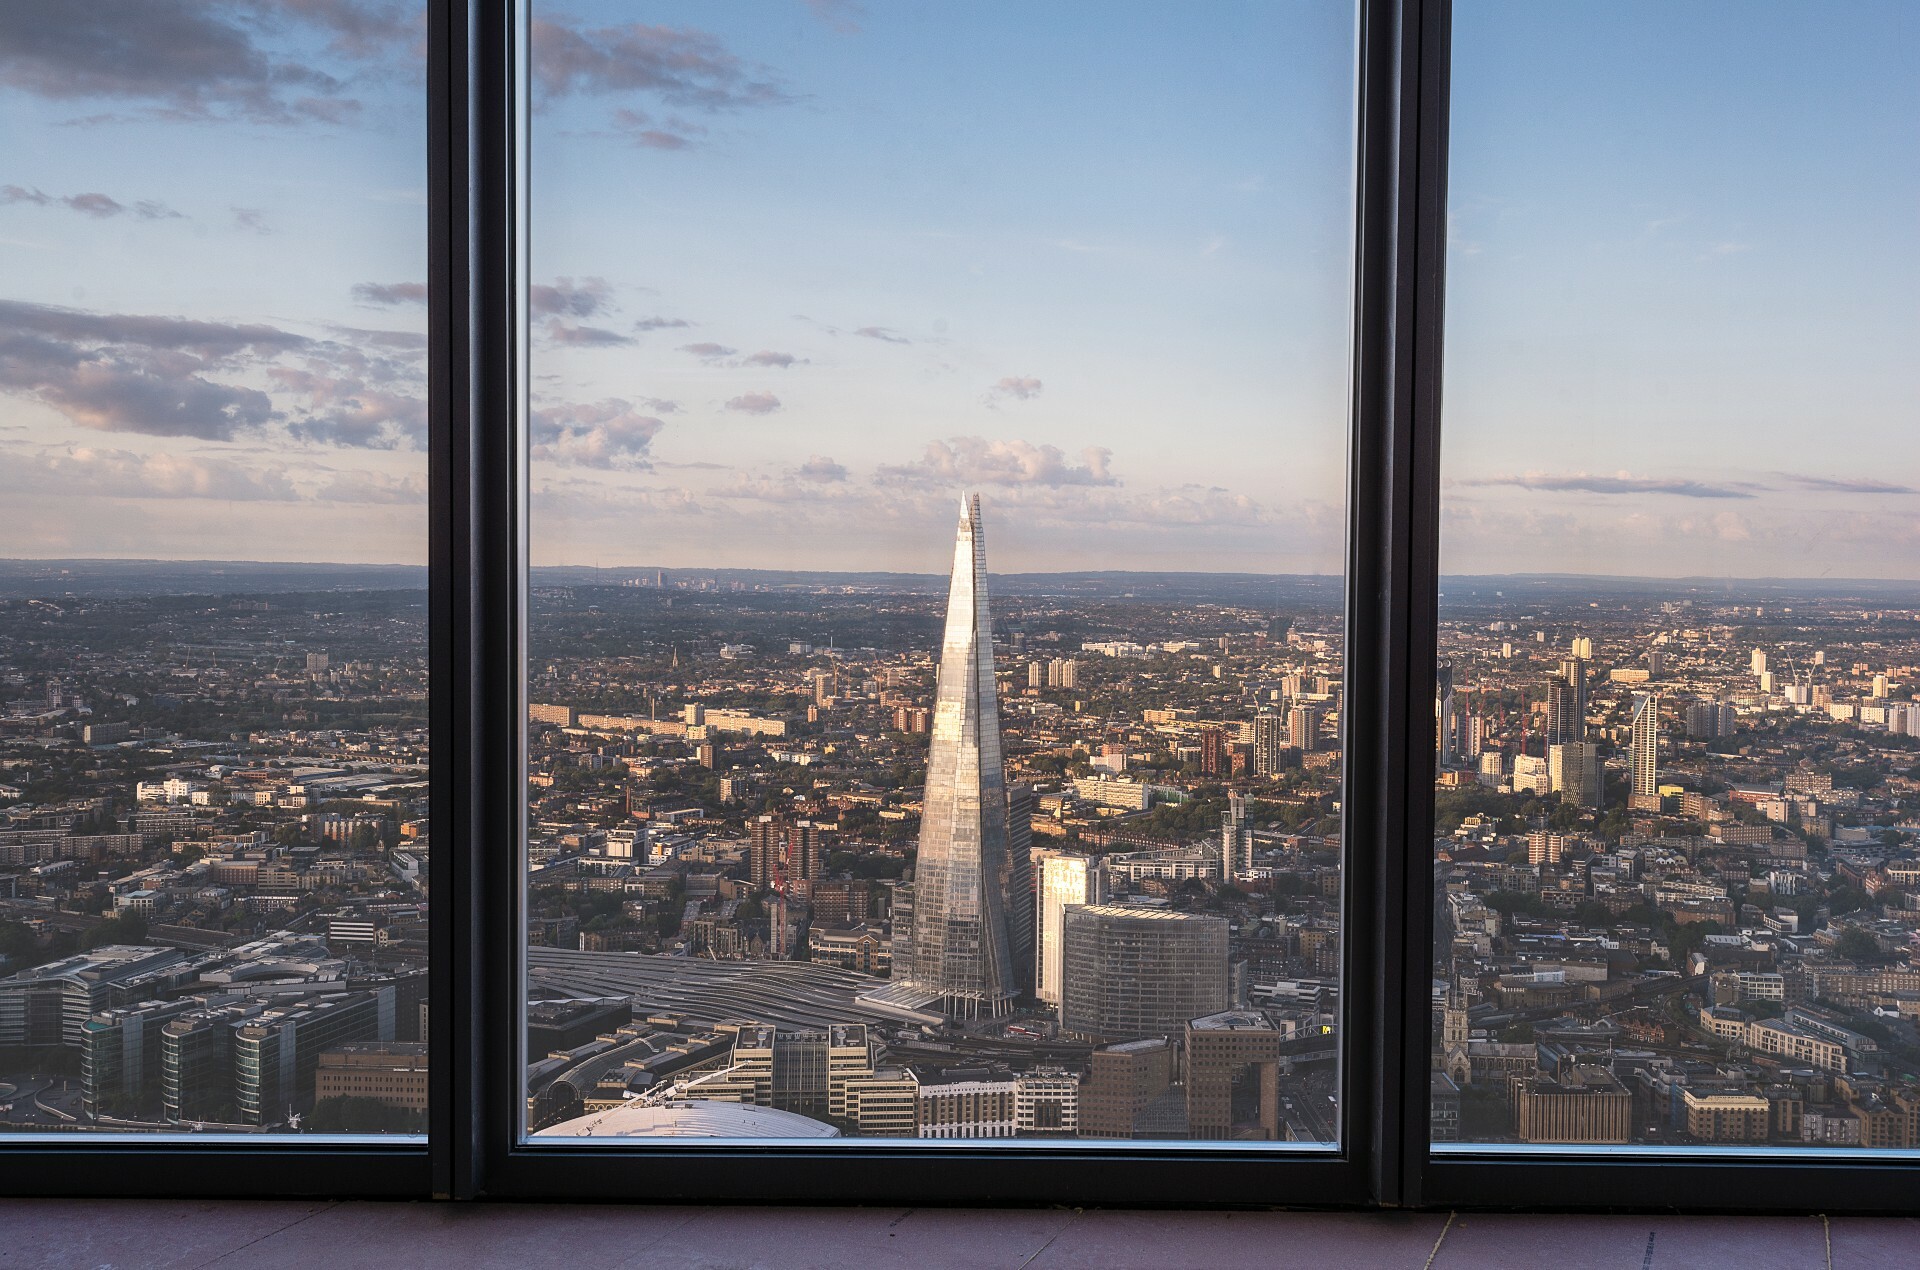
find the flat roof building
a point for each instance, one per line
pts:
(1134, 972)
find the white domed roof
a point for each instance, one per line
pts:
(691, 1119)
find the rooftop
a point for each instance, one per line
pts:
(692, 1119)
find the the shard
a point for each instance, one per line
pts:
(957, 961)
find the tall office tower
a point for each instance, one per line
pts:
(1064, 880)
(1134, 972)
(1644, 752)
(1269, 744)
(1017, 890)
(1303, 728)
(1573, 770)
(962, 964)
(1759, 661)
(1236, 839)
(1445, 731)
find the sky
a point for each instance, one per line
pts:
(807, 271)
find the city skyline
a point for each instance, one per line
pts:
(1046, 339)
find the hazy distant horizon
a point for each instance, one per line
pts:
(41, 564)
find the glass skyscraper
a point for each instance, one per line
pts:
(960, 961)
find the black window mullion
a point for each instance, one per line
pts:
(475, 286)
(1393, 562)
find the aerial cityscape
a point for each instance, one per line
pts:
(214, 857)
(851, 818)
(1079, 877)
(1675, 867)
(969, 857)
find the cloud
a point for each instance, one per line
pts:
(1851, 486)
(660, 323)
(96, 205)
(251, 219)
(605, 434)
(584, 336)
(564, 297)
(640, 128)
(178, 377)
(1019, 387)
(682, 67)
(97, 473)
(1618, 484)
(372, 488)
(978, 461)
(766, 357)
(346, 409)
(359, 28)
(755, 403)
(195, 60)
(391, 293)
(708, 352)
(822, 469)
(883, 333)
(842, 16)
(123, 373)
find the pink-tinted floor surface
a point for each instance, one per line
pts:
(87, 1234)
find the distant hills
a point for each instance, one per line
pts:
(51, 578)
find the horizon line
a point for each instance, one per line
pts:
(1445, 578)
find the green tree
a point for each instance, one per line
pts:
(362, 1115)
(1855, 944)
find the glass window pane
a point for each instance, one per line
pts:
(213, 815)
(1680, 627)
(939, 440)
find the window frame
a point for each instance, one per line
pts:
(1172, 1173)
(476, 87)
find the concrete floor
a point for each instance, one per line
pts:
(89, 1234)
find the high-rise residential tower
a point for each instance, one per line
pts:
(1444, 710)
(962, 962)
(1236, 840)
(1644, 754)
